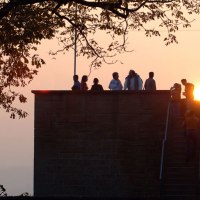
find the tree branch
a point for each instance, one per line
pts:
(80, 30)
(112, 6)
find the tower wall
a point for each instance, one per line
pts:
(98, 144)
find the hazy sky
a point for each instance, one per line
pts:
(169, 63)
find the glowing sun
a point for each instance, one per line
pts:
(197, 93)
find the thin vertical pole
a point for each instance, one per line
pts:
(75, 39)
(164, 141)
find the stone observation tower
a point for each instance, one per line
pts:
(106, 144)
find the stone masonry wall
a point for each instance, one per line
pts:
(98, 144)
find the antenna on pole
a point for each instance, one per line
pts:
(75, 39)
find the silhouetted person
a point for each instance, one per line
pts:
(175, 97)
(84, 83)
(150, 83)
(189, 89)
(188, 93)
(77, 84)
(133, 81)
(176, 91)
(115, 83)
(191, 125)
(96, 86)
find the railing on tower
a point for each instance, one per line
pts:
(164, 141)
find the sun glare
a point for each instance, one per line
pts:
(197, 93)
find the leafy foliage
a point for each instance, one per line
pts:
(25, 23)
(3, 192)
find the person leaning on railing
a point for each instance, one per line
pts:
(175, 99)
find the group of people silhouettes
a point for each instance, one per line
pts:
(188, 93)
(83, 84)
(191, 122)
(132, 82)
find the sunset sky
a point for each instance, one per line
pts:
(169, 63)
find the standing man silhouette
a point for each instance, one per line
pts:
(150, 83)
(188, 93)
(115, 83)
